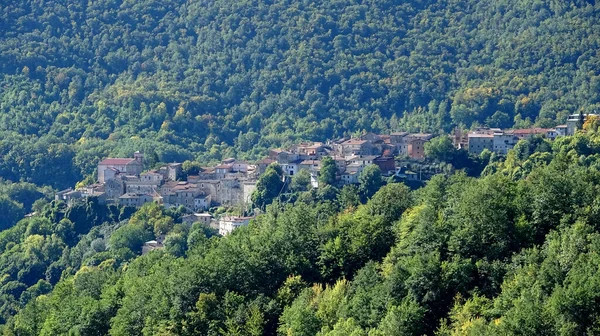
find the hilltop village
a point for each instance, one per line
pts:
(231, 183)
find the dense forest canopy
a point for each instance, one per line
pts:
(503, 245)
(202, 80)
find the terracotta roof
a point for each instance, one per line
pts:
(266, 161)
(365, 157)
(311, 145)
(354, 142)
(131, 195)
(424, 136)
(170, 184)
(530, 131)
(116, 161)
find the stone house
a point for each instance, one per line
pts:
(115, 187)
(356, 147)
(480, 141)
(340, 163)
(349, 177)
(397, 138)
(310, 165)
(311, 151)
(146, 183)
(282, 156)
(222, 170)
(239, 166)
(386, 164)
(416, 148)
(207, 173)
(172, 171)
(504, 141)
(262, 165)
(135, 200)
(204, 218)
(412, 145)
(108, 168)
(370, 136)
(202, 202)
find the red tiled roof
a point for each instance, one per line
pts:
(116, 161)
(530, 131)
(355, 142)
(266, 161)
(224, 166)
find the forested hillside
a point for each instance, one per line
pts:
(509, 245)
(512, 252)
(207, 79)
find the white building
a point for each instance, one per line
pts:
(229, 223)
(503, 142)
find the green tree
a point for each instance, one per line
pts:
(405, 319)
(440, 148)
(301, 181)
(349, 196)
(328, 172)
(10, 212)
(269, 186)
(369, 181)
(129, 236)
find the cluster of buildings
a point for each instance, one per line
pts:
(351, 156)
(501, 141)
(498, 140)
(231, 183)
(122, 181)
